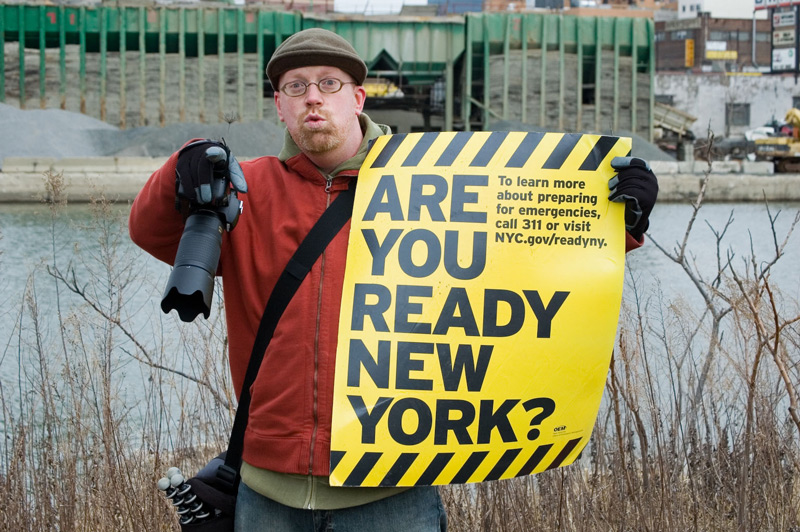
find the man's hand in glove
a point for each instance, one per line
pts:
(204, 170)
(637, 186)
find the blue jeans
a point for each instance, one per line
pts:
(414, 510)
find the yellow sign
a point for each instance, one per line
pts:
(689, 53)
(480, 305)
(731, 55)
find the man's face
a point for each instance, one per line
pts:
(320, 122)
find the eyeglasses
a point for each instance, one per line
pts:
(327, 86)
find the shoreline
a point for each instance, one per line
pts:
(119, 179)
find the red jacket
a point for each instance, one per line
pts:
(290, 414)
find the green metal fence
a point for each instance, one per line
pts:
(157, 38)
(578, 73)
(161, 64)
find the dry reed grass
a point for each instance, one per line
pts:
(698, 429)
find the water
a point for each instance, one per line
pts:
(31, 237)
(748, 235)
(77, 240)
(32, 240)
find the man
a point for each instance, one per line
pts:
(318, 78)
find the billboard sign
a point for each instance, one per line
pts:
(772, 4)
(782, 18)
(783, 59)
(783, 37)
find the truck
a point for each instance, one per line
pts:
(784, 149)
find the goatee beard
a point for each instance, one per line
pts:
(319, 140)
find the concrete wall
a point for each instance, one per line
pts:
(705, 96)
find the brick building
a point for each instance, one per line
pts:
(705, 44)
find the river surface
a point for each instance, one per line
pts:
(32, 239)
(749, 235)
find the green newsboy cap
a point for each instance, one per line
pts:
(315, 47)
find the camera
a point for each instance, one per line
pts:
(190, 287)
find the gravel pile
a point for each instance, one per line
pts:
(49, 133)
(56, 133)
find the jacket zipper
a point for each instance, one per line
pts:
(328, 185)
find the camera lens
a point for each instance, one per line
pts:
(191, 284)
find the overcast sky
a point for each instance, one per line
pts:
(373, 7)
(717, 8)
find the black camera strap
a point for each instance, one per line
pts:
(318, 238)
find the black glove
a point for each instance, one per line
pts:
(199, 163)
(637, 186)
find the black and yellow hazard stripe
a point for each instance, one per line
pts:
(517, 149)
(432, 473)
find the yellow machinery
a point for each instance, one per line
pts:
(381, 88)
(783, 151)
